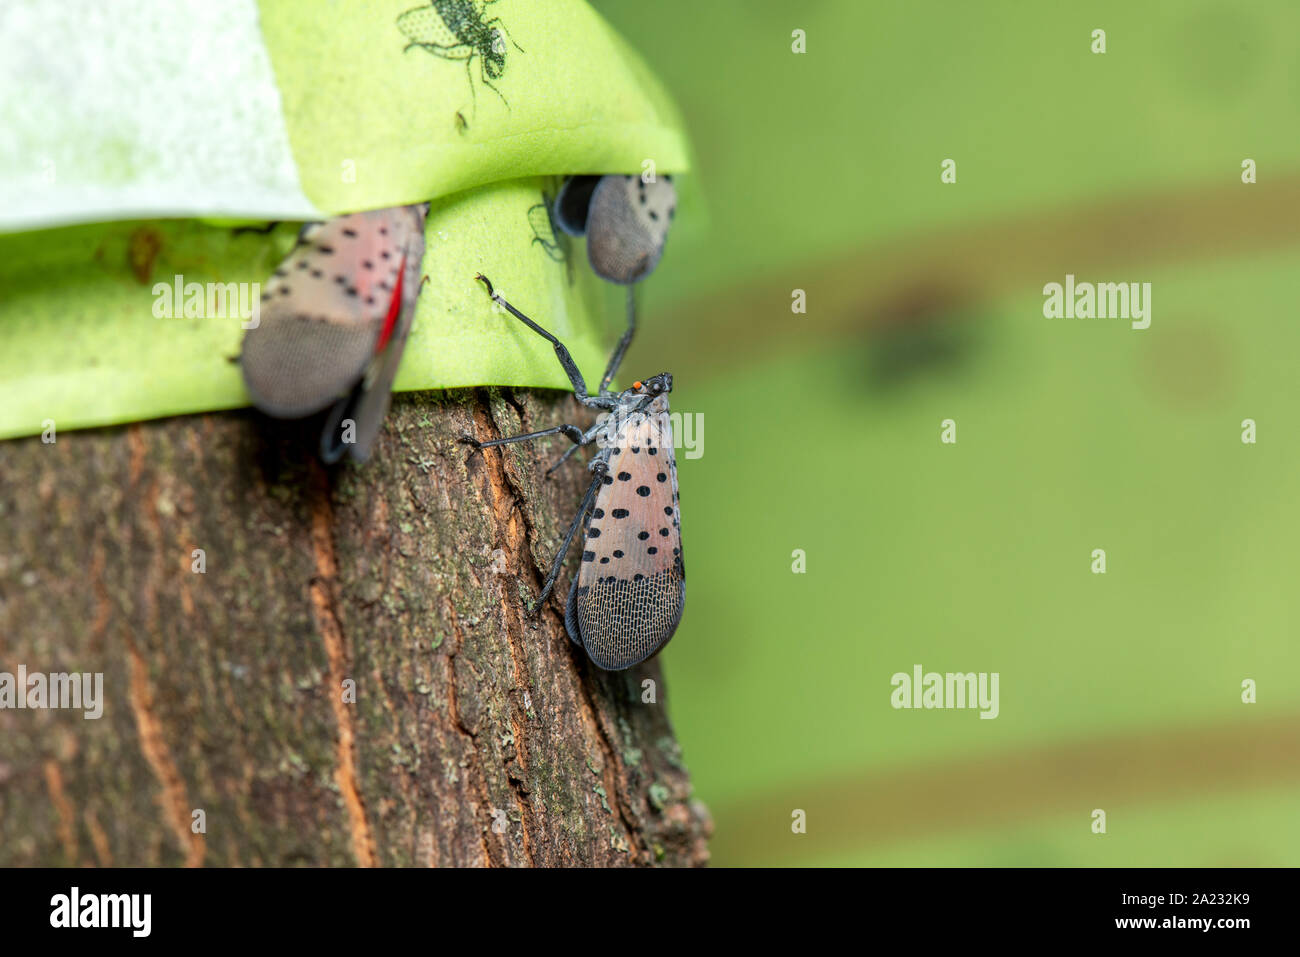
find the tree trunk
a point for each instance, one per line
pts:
(477, 735)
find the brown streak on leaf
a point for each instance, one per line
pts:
(879, 808)
(860, 288)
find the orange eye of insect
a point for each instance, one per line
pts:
(636, 385)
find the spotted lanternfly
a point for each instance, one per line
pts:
(626, 600)
(624, 218)
(333, 324)
(456, 30)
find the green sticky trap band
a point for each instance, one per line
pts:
(92, 331)
(377, 121)
(294, 110)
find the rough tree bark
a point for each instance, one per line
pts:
(478, 736)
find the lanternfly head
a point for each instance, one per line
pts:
(656, 385)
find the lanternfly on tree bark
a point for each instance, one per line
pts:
(627, 599)
(334, 321)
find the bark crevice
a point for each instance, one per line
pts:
(329, 627)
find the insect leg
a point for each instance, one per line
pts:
(265, 230)
(469, 75)
(562, 353)
(572, 431)
(620, 350)
(568, 539)
(586, 440)
(332, 447)
(488, 84)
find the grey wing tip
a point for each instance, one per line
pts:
(628, 654)
(571, 616)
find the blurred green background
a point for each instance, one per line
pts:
(821, 171)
